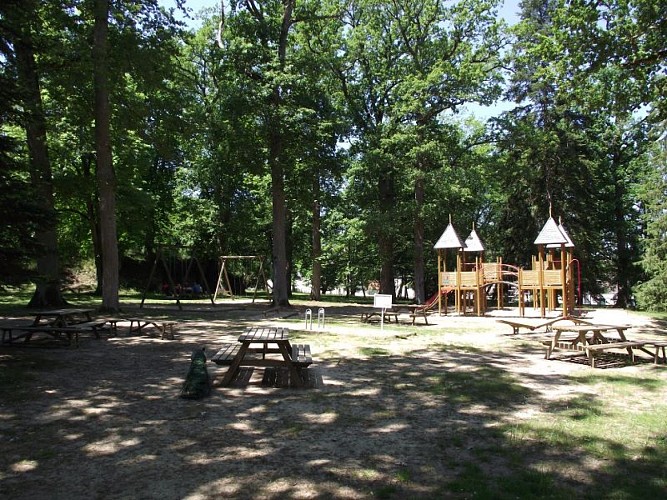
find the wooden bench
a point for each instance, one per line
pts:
(565, 342)
(113, 324)
(166, 328)
(301, 355)
(593, 350)
(8, 331)
(226, 354)
(420, 314)
(366, 316)
(95, 326)
(659, 345)
(517, 325)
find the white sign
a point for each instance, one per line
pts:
(382, 301)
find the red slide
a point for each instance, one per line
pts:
(433, 299)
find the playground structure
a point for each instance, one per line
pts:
(224, 285)
(178, 264)
(551, 273)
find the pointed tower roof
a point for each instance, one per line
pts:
(570, 243)
(473, 242)
(550, 234)
(449, 239)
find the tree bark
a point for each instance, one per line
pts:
(276, 163)
(47, 292)
(93, 220)
(623, 256)
(316, 281)
(420, 295)
(279, 211)
(385, 238)
(106, 178)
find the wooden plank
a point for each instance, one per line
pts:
(226, 354)
(593, 350)
(301, 354)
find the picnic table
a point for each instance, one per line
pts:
(254, 344)
(58, 323)
(593, 340)
(384, 315)
(415, 311)
(166, 328)
(384, 309)
(63, 317)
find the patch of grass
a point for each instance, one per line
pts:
(374, 351)
(472, 480)
(403, 476)
(479, 385)
(386, 491)
(530, 483)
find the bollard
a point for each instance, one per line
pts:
(320, 317)
(309, 316)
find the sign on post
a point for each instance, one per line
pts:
(382, 301)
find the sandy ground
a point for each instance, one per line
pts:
(105, 420)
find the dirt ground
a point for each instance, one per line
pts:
(105, 420)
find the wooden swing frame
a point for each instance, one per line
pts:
(223, 276)
(161, 257)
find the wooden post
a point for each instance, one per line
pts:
(440, 271)
(563, 277)
(541, 280)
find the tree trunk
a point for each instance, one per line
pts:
(276, 164)
(279, 211)
(280, 285)
(47, 292)
(316, 282)
(420, 295)
(93, 221)
(623, 256)
(106, 178)
(385, 238)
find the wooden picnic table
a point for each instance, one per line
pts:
(165, 327)
(254, 346)
(592, 339)
(415, 311)
(62, 317)
(58, 323)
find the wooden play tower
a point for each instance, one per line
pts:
(551, 272)
(470, 276)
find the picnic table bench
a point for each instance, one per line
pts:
(395, 312)
(388, 314)
(226, 354)
(418, 311)
(165, 327)
(594, 340)
(66, 323)
(518, 325)
(58, 332)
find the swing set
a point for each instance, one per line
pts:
(179, 263)
(224, 285)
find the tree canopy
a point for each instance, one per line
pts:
(332, 137)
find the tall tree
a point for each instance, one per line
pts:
(23, 20)
(404, 64)
(106, 177)
(652, 294)
(267, 67)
